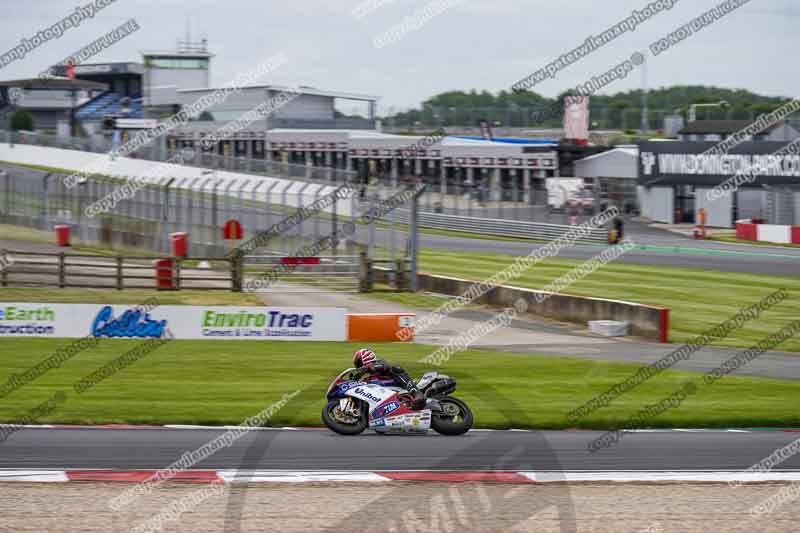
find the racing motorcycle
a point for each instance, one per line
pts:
(379, 404)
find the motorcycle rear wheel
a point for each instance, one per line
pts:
(342, 428)
(455, 419)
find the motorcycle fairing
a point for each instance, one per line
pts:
(387, 413)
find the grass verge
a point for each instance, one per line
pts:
(199, 382)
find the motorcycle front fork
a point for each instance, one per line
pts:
(347, 407)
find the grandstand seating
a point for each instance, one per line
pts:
(108, 103)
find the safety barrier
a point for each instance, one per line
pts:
(646, 321)
(270, 273)
(508, 228)
(750, 230)
(378, 327)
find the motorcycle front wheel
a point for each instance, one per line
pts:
(455, 418)
(345, 423)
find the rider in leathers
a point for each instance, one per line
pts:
(367, 362)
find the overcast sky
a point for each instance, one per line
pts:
(480, 44)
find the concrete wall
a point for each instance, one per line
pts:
(648, 322)
(719, 211)
(657, 203)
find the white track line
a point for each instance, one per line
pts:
(278, 476)
(34, 476)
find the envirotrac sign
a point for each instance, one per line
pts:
(182, 322)
(275, 324)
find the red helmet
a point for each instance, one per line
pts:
(364, 356)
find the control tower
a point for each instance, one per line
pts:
(166, 72)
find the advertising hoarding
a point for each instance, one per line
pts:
(184, 322)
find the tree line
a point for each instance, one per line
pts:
(622, 110)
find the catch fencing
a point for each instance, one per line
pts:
(480, 195)
(206, 190)
(198, 207)
(509, 228)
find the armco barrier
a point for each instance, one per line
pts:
(646, 321)
(747, 230)
(378, 327)
(501, 227)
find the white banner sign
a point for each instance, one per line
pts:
(722, 164)
(183, 321)
(576, 117)
(92, 69)
(136, 123)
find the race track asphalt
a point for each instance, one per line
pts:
(662, 249)
(68, 448)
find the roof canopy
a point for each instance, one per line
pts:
(714, 126)
(54, 84)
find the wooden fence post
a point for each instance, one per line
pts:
(366, 277)
(4, 271)
(62, 274)
(237, 272)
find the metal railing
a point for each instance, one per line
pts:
(507, 228)
(340, 273)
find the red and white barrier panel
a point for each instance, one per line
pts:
(747, 230)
